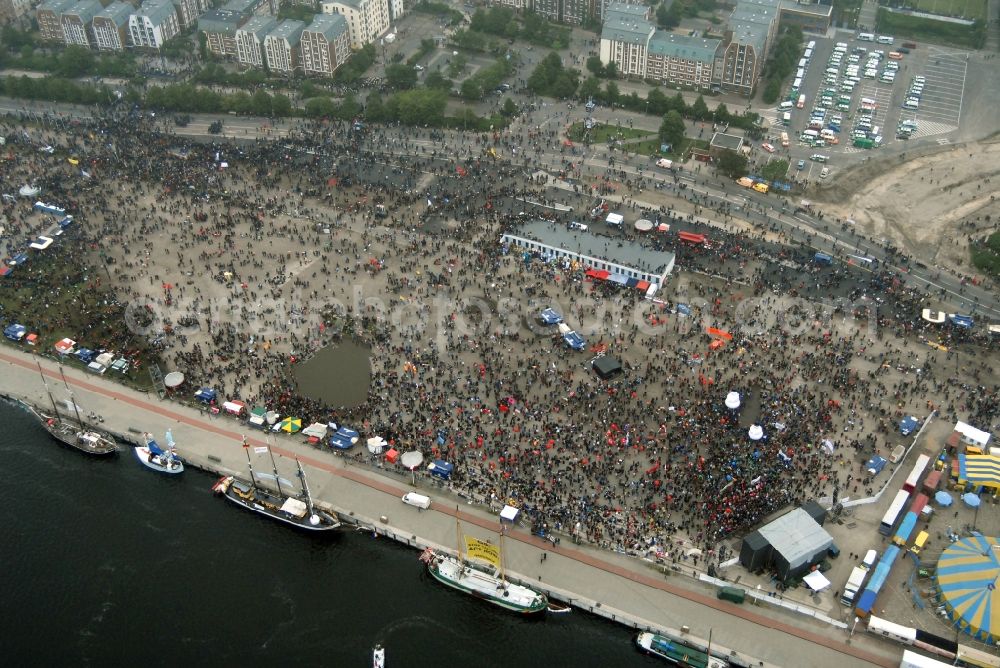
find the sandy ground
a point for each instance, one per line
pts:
(929, 206)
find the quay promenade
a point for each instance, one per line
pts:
(620, 588)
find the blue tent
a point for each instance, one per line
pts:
(441, 469)
(875, 465)
(85, 355)
(684, 309)
(550, 317)
(344, 438)
(964, 321)
(907, 425)
(574, 341)
(15, 332)
(66, 222)
(206, 395)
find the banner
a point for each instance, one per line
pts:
(482, 550)
(259, 451)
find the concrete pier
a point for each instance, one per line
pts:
(630, 591)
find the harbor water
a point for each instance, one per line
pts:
(106, 563)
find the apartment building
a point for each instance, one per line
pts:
(188, 11)
(325, 45)
(281, 46)
(367, 20)
(220, 26)
(110, 27)
(152, 24)
(250, 40)
(49, 18)
(625, 38)
(680, 60)
(76, 22)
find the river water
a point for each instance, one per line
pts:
(105, 563)
(338, 375)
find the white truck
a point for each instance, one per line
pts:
(663, 163)
(853, 585)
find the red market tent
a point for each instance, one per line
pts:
(392, 455)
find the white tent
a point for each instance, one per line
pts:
(816, 581)
(615, 219)
(317, 429)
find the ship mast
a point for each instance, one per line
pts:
(47, 390)
(274, 467)
(458, 535)
(503, 576)
(305, 487)
(72, 399)
(246, 449)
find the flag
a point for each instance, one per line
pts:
(245, 444)
(259, 450)
(482, 550)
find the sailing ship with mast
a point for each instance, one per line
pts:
(479, 572)
(282, 506)
(73, 434)
(161, 460)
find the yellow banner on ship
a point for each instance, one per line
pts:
(481, 549)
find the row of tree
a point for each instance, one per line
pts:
(530, 27)
(784, 60)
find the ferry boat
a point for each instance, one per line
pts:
(677, 653)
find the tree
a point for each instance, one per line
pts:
(595, 66)
(509, 108)
(672, 129)
(74, 62)
(471, 89)
(591, 88)
(772, 91)
(732, 164)
(260, 103)
(656, 102)
(438, 81)
(611, 93)
(669, 17)
(349, 108)
(400, 76)
(721, 114)
(281, 105)
(320, 107)
(375, 108)
(611, 70)
(775, 170)
(699, 110)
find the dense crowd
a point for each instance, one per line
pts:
(237, 261)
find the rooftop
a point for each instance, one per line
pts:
(157, 11)
(57, 6)
(224, 21)
(329, 25)
(796, 536)
(731, 142)
(673, 45)
(628, 253)
(117, 12)
(754, 34)
(85, 9)
(816, 9)
(626, 28)
(289, 30)
(259, 26)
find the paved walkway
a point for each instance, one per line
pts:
(622, 588)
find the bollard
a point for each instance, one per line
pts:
(383, 519)
(685, 629)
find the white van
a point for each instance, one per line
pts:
(866, 37)
(885, 39)
(417, 500)
(811, 44)
(787, 104)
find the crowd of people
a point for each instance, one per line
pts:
(234, 262)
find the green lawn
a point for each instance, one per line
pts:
(966, 9)
(905, 26)
(986, 257)
(652, 147)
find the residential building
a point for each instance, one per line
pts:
(152, 24)
(220, 26)
(397, 8)
(572, 12)
(76, 22)
(49, 17)
(111, 27)
(367, 20)
(809, 16)
(625, 38)
(250, 40)
(281, 46)
(679, 60)
(12, 10)
(253, 7)
(188, 11)
(742, 57)
(326, 44)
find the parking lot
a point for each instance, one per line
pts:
(863, 95)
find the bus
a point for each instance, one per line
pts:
(868, 597)
(913, 479)
(914, 660)
(894, 513)
(801, 104)
(976, 657)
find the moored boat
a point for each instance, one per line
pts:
(378, 657)
(75, 434)
(488, 581)
(154, 457)
(677, 653)
(281, 506)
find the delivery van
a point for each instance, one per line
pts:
(417, 500)
(919, 543)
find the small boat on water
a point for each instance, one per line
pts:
(677, 653)
(152, 456)
(486, 582)
(378, 657)
(297, 511)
